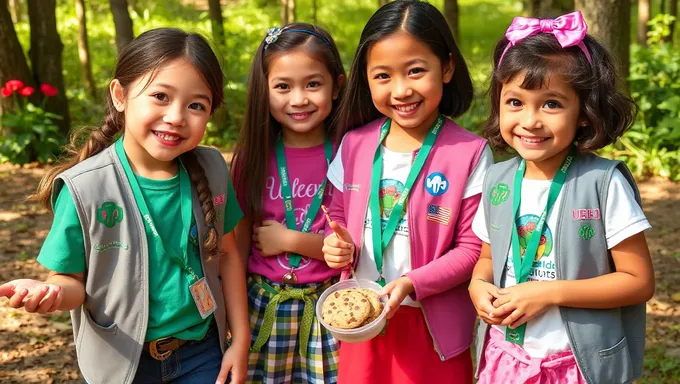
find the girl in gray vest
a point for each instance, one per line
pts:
(564, 270)
(141, 250)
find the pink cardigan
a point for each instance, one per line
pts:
(442, 255)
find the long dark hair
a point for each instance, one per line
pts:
(425, 23)
(146, 54)
(260, 129)
(609, 110)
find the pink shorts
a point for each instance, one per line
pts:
(506, 362)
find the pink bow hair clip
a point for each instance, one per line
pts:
(569, 30)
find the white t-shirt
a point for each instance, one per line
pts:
(397, 255)
(545, 334)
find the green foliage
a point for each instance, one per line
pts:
(651, 146)
(29, 133)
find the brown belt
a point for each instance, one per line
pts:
(161, 349)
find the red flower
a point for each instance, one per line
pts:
(6, 92)
(26, 91)
(543, 240)
(531, 226)
(14, 85)
(48, 90)
(521, 231)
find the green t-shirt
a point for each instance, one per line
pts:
(172, 311)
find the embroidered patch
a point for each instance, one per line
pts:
(513, 335)
(586, 232)
(499, 193)
(585, 214)
(436, 184)
(114, 244)
(219, 200)
(109, 214)
(439, 214)
(352, 187)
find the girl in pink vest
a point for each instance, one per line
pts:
(419, 175)
(280, 165)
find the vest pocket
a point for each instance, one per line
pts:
(100, 355)
(90, 322)
(616, 363)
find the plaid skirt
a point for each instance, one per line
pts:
(279, 360)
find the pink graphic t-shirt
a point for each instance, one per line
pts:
(307, 169)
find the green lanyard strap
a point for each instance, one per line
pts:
(291, 221)
(522, 264)
(382, 238)
(150, 229)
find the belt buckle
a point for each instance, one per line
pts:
(153, 349)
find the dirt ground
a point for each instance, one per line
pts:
(40, 349)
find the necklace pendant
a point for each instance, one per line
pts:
(290, 277)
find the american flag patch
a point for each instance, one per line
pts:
(439, 214)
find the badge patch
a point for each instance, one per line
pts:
(109, 214)
(352, 187)
(219, 199)
(499, 193)
(439, 214)
(586, 232)
(436, 184)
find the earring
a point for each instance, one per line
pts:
(584, 123)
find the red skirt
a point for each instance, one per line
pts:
(405, 354)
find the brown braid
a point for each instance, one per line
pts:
(96, 139)
(198, 178)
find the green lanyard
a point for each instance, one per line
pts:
(523, 264)
(382, 238)
(150, 228)
(291, 221)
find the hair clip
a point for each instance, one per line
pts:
(272, 35)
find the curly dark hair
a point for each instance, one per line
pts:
(607, 107)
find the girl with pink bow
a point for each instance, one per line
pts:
(561, 294)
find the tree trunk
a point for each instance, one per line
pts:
(45, 56)
(451, 15)
(550, 8)
(16, 11)
(84, 50)
(673, 11)
(284, 12)
(606, 19)
(291, 11)
(122, 21)
(662, 8)
(642, 20)
(13, 63)
(314, 8)
(216, 21)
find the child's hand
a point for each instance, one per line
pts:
(33, 295)
(397, 291)
(270, 239)
(338, 248)
(235, 360)
(522, 302)
(483, 295)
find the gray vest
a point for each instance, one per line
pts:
(608, 343)
(110, 327)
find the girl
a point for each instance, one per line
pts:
(407, 75)
(563, 288)
(293, 91)
(143, 218)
